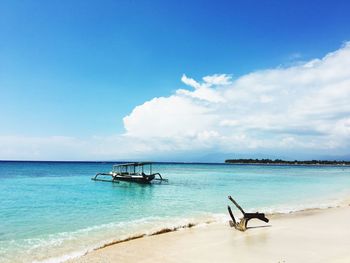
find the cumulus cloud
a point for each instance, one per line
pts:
(300, 108)
(190, 82)
(305, 106)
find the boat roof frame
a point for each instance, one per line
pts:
(133, 164)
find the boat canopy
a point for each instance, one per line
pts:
(133, 168)
(133, 164)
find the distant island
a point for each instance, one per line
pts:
(279, 161)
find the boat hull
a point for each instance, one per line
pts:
(139, 179)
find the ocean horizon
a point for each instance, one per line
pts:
(52, 211)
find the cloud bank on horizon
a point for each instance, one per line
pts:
(305, 107)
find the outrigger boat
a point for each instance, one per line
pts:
(130, 172)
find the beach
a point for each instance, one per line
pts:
(72, 216)
(318, 235)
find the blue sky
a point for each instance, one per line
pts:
(75, 69)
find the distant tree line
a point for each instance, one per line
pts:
(279, 161)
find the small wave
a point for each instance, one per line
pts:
(308, 206)
(152, 226)
(164, 225)
(203, 222)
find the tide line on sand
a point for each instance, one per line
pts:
(314, 235)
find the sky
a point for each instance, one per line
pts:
(174, 80)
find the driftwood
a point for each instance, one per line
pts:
(242, 224)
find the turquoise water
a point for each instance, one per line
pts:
(51, 211)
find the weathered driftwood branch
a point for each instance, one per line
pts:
(242, 224)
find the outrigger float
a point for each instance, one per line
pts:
(130, 172)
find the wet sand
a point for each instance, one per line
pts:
(308, 236)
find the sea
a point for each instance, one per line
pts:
(53, 211)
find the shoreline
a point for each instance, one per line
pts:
(292, 222)
(277, 215)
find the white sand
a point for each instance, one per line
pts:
(310, 236)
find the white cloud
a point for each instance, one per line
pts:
(208, 89)
(190, 82)
(208, 81)
(168, 117)
(217, 79)
(302, 107)
(305, 107)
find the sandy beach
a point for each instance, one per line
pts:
(307, 236)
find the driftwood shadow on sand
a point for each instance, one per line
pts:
(252, 227)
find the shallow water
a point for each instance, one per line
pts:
(50, 211)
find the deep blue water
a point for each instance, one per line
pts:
(49, 210)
